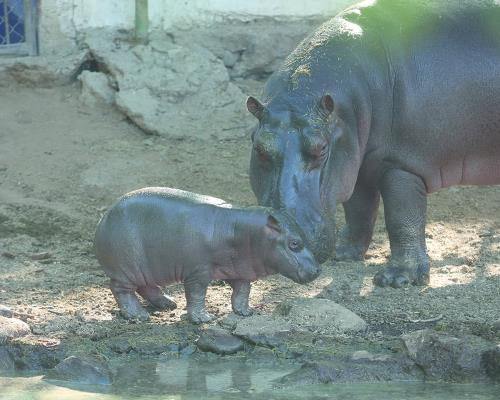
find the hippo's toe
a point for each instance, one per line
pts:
(201, 317)
(399, 277)
(137, 314)
(244, 312)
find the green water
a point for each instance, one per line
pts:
(187, 379)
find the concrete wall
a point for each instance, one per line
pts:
(61, 20)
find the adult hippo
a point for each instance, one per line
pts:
(392, 98)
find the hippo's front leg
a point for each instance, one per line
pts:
(405, 204)
(195, 286)
(360, 215)
(239, 298)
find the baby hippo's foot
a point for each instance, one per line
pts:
(399, 277)
(200, 316)
(129, 305)
(243, 311)
(130, 308)
(155, 296)
(239, 298)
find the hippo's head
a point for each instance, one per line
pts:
(285, 252)
(304, 162)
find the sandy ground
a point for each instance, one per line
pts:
(62, 164)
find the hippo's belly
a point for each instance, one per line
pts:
(471, 170)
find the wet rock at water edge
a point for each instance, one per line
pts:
(6, 311)
(82, 369)
(12, 328)
(219, 341)
(263, 330)
(451, 358)
(491, 362)
(7, 363)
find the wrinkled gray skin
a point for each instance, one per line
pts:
(390, 98)
(155, 236)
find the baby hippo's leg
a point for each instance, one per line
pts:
(195, 287)
(129, 305)
(155, 296)
(239, 298)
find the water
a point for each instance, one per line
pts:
(188, 379)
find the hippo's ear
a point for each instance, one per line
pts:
(327, 105)
(273, 228)
(255, 107)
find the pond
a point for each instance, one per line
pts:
(188, 379)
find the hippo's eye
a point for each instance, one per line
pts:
(295, 245)
(262, 153)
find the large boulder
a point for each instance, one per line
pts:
(172, 90)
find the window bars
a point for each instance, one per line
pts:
(18, 27)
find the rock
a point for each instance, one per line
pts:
(162, 86)
(96, 88)
(263, 330)
(347, 371)
(230, 58)
(41, 71)
(450, 358)
(120, 346)
(6, 311)
(320, 316)
(363, 355)
(219, 341)
(82, 369)
(491, 363)
(188, 350)
(7, 363)
(8, 254)
(11, 328)
(41, 256)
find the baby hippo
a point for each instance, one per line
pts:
(155, 236)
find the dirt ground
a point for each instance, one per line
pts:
(62, 164)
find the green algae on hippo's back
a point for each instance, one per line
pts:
(155, 236)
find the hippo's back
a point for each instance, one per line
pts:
(149, 229)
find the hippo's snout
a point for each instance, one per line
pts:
(306, 275)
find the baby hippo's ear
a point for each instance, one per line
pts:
(272, 228)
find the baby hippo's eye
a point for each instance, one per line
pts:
(295, 245)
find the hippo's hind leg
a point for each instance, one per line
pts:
(195, 287)
(129, 305)
(405, 205)
(360, 215)
(239, 297)
(155, 296)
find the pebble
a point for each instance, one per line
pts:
(6, 311)
(41, 256)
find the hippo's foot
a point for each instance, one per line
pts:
(347, 249)
(155, 296)
(243, 311)
(130, 308)
(239, 298)
(399, 277)
(200, 317)
(349, 253)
